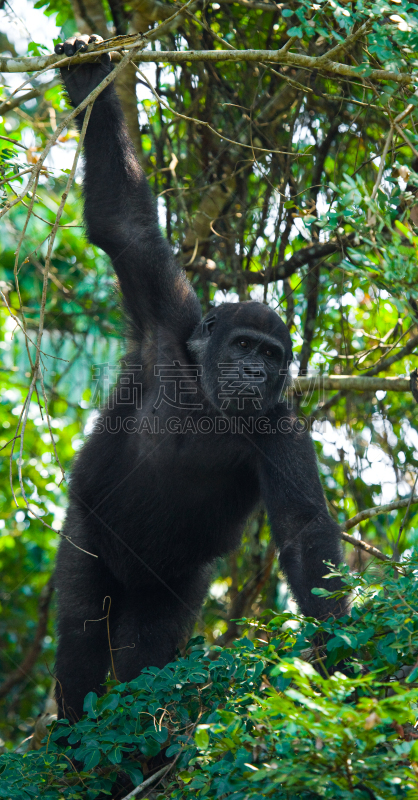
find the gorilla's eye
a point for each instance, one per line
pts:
(268, 353)
(243, 343)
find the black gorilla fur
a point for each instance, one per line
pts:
(158, 508)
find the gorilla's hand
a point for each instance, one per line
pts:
(81, 79)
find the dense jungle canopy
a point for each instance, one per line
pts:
(285, 162)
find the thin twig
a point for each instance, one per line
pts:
(382, 164)
(53, 234)
(403, 523)
(148, 782)
(368, 513)
(368, 548)
(16, 175)
(36, 364)
(372, 512)
(13, 141)
(381, 366)
(345, 45)
(406, 140)
(202, 123)
(38, 91)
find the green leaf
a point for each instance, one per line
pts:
(365, 70)
(194, 641)
(412, 676)
(173, 750)
(202, 738)
(296, 31)
(90, 705)
(107, 703)
(36, 49)
(186, 777)
(160, 736)
(133, 771)
(91, 759)
(115, 755)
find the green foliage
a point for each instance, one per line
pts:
(275, 205)
(62, 8)
(256, 720)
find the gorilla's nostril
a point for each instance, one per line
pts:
(253, 371)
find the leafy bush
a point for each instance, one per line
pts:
(256, 720)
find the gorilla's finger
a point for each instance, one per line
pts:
(59, 48)
(81, 43)
(95, 39)
(69, 46)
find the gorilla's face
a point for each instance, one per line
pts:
(245, 351)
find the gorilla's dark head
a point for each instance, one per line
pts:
(245, 351)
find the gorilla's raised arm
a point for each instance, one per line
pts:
(120, 212)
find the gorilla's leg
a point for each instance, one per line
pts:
(153, 620)
(83, 654)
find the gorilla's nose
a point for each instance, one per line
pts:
(254, 372)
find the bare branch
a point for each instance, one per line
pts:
(160, 774)
(9, 105)
(373, 512)
(260, 6)
(385, 363)
(345, 45)
(368, 513)
(283, 270)
(381, 366)
(368, 548)
(207, 125)
(381, 166)
(35, 63)
(356, 383)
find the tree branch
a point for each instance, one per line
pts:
(160, 774)
(311, 294)
(282, 270)
(356, 383)
(368, 548)
(36, 63)
(381, 366)
(385, 363)
(373, 512)
(9, 105)
(252, 4)
(368, 513)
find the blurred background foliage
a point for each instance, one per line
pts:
(292, 166)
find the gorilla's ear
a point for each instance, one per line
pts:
(208, 326)
(197, 344)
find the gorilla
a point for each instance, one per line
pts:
(195, 434)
